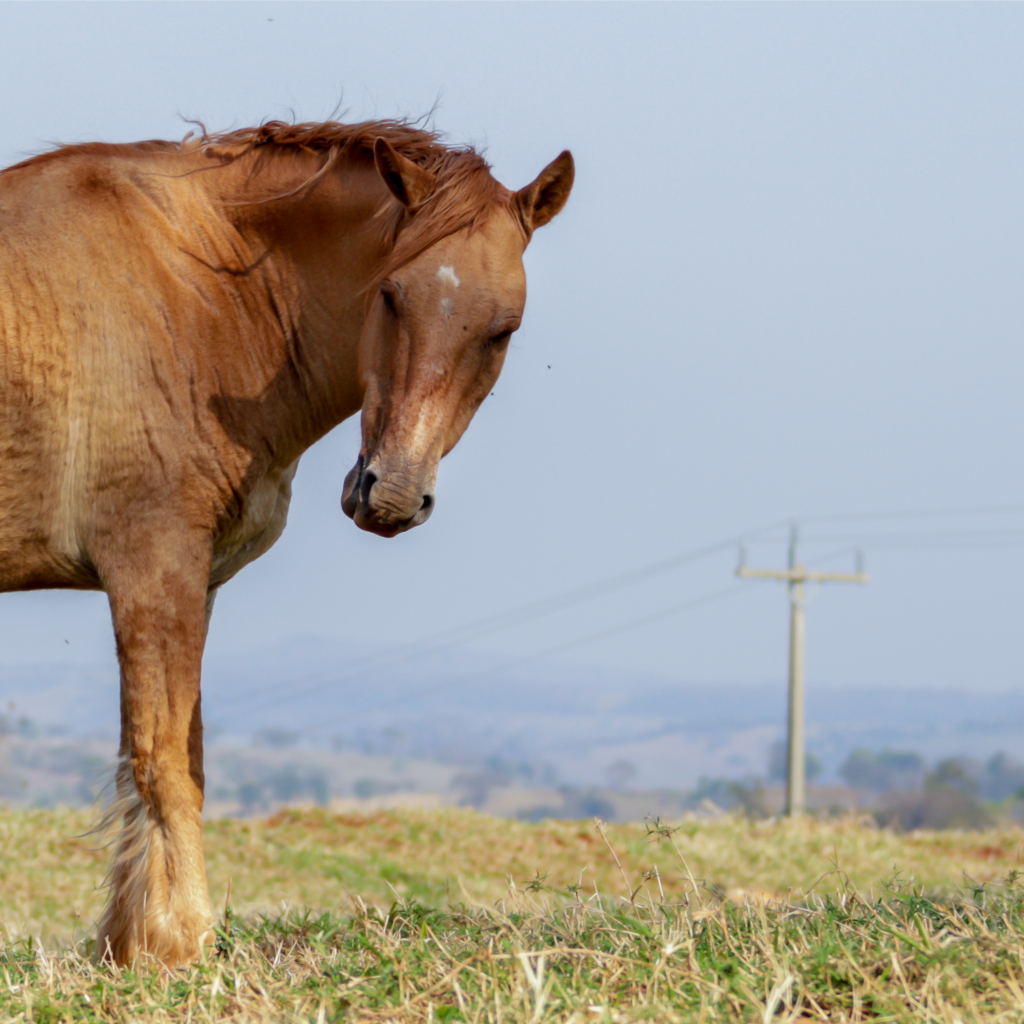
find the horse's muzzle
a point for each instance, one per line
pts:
(384, 503)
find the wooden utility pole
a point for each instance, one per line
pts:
(796, 576)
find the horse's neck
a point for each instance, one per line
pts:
(313, 256)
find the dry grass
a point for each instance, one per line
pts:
(450, 915)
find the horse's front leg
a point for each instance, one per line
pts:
(158, 901)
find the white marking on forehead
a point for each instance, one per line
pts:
(446, 306)
(448, 275)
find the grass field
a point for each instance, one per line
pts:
(448, 915)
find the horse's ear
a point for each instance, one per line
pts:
(409, 183)
(544, 198)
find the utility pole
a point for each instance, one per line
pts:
(796, 576)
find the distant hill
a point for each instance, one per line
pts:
(571, 723)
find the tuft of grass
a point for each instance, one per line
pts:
(452, 916)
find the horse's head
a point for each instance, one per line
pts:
(435, 339)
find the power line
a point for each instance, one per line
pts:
(547, 652)
(932, 513)
(577, 595)
(867, 538)
(497, 622)
(908, 545)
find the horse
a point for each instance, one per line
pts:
(179, 321)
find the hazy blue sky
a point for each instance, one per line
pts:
(788, 283)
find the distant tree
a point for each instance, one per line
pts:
(1003, 777)
(955, 773)
(862, 770)
(319, 789)
(939, 807)
(587, 805)
(250, 796)
(883, 771)
(778, 763)
(718, 791)
(541, 812)
(476, 786)
(728, 794)
(292, 783)
(365, 788)
(949, 800)
(576, 804)
(277, 738)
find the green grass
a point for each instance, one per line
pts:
(434, 916)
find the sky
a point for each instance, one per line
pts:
(787, 287)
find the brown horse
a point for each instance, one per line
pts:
(178, 323)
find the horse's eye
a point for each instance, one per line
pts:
(387, 292)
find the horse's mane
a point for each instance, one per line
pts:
(464, 194)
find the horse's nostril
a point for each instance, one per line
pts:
(365, 486)
(428, 503)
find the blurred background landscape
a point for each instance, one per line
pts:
(787, 286)
(286, 726)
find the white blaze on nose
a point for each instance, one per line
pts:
(428, 424)
(448, 276)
